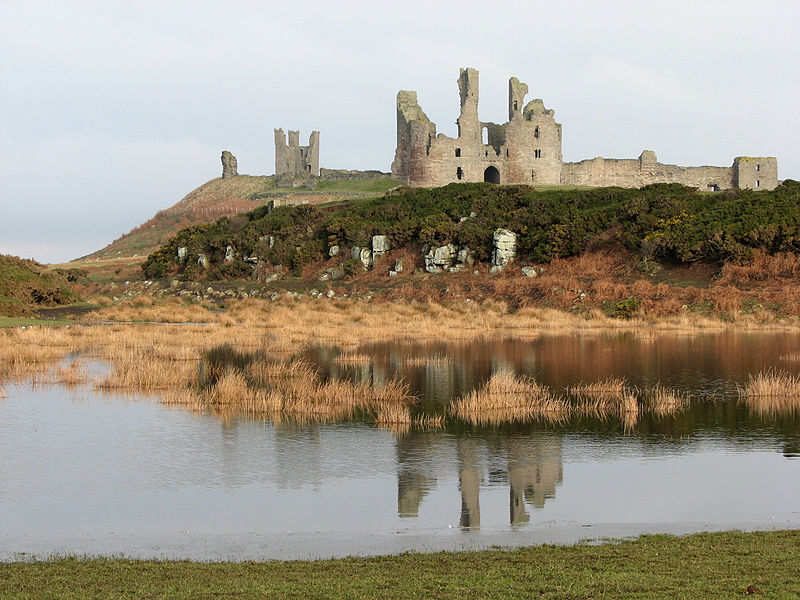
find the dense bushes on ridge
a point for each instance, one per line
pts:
(667, 222)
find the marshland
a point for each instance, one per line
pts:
(345, 427)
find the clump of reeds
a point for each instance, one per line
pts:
(614, 387)
(791, 357)
(505, 397)
(389, 415)
(140, 372)
(423, 361)
(772, 383)
(663, 401)
(772, 392)
(354, 358)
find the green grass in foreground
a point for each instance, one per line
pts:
(30, 321)
(707, 565)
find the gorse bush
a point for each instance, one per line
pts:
(666, 222)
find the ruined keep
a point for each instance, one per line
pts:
(527, 150)
(295, 160)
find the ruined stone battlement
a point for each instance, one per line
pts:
(294, 159)
(527, 150)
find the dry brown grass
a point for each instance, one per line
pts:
(611, 386)
(663, 401)
(423, 361)
(506, 397)
(354, 358)
(772, 392)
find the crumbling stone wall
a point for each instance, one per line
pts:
(527, 150)
(293, 159)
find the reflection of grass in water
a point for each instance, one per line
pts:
(791, 357)
(772, 392)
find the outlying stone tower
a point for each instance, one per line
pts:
(229, 165)
(527, 150)
(294, 159)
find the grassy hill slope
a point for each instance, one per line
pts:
(212, 200)
(25, 285)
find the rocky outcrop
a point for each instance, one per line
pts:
(229, 254)
(505, 249)
(380, 246)
(202, 260)
(229, 165)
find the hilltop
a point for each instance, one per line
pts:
(214, 199)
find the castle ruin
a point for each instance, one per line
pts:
(527, 150)
(295, 160)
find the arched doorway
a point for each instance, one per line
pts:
(491, 175)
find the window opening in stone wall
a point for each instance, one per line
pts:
(459, 173)
(506, 151)
(491, 175)
(485, 135)
(536, 132)
(515, 105)
(486, 153)
(758, 167)
(537, 154)
(758, 183)
(458, 151)
(533, 175)
(713, 187)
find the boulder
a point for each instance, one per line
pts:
(202, 260)
(380, 245)
(334, 250)
(440, 259)
(529, 271)
(182, 252)
(505, 249)
(398, 265)
(229, 166)
(229, 254)
(365, 256)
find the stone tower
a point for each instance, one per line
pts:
(229, 165)
(292, 158)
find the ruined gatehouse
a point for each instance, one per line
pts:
(527, 150)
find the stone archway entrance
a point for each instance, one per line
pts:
(491, 175)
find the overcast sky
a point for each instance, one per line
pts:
(111, 111)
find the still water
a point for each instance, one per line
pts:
(87, 473)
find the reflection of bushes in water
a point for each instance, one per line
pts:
(220, 360)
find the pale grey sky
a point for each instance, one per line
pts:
(111, 111)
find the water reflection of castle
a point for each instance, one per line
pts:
(530, 465)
